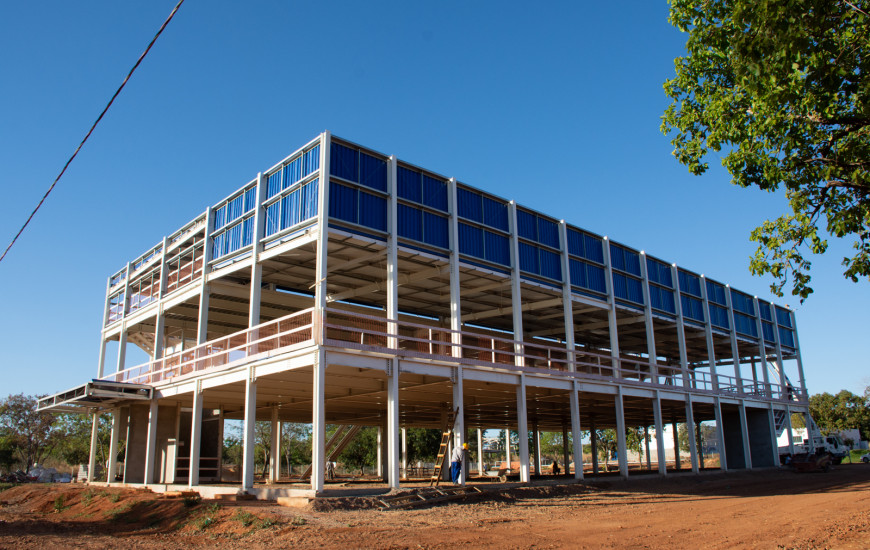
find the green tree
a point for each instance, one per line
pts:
(362, 450)
(781, 86)
(74, 438)
(423, 444)
(840, 412)
(31, 434)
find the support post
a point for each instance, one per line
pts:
(660, 435)
(708, 332)
(744, 429)
(507, 448)
(690, 430)
(195, 436)
(575, 434)
(612, 325)
(92, 455)
(318, 428)
(720, 433)
(151, 442)
(249, 427)
(479, 452)
(207, 250)
(648, 320)
(405, 453)
(274, 447)
(567, 301)
(459, 423)
(735, 349)
(621, 451)
(593, 443)
(393, 472)
(113, 445)
(523, 430)
(455, 292)
(677, 462)
(516, 296)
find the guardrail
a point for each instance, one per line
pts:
(347, 329)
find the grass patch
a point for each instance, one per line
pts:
(5, 486)
(245, 518)
(208, 517)
(298, 521)
(88, 496)
(114, 497)
(60, 503)
(190, 502)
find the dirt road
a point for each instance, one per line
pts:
(763, 509)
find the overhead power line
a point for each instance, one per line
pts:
(99, 118)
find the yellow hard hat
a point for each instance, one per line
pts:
(465, 445)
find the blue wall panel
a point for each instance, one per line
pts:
(495, 214)
(372, 211)
(436, 230)
(410, 222)
(497, 248)
(470, 240)
(434, 193)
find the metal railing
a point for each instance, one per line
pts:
(284, 334)
(353, 330)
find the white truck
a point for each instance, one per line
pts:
(827, 443)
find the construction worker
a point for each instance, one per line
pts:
(456, 462)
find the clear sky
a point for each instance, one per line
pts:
(554, 105)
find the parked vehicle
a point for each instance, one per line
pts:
(866, 458)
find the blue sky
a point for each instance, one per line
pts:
(555, 106)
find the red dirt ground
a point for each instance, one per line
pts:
(762, 509)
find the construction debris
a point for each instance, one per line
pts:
(425, 496)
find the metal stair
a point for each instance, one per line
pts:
(337, 443)
(441, 459)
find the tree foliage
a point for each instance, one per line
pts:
(781, 87)
(841, 412)
(30, 434)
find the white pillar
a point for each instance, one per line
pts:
(708, 331)
(593, 444)
(567, 302)
(720, 433)
(735, 350)
(800, 364)
(256, 266)
(523, 430)
(318, 428)
(516, 296)
(208, 244)
(788, 426)
(681, 327)
(405, 452)
(195, 435)
(773, 443)
(621, 451)
(101, 362)
(744, 429)
(151, 442)
(248, 432)
(690, 434)
(122, 347)
(459, 423)
(507, 448)
(479, 452)
(646, 443)
(611, 313)
(455, 297)
(762, 352)
(113, 445)
(575, 434)
(393, 451)
(92, 455)
(660, 435)
(275, 450)
(322, 261)
(648, 320)
(380, 454)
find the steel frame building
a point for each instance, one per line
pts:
(345, 286)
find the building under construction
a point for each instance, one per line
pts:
(345, 286)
